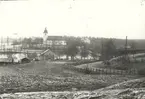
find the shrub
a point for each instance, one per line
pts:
(87, 71)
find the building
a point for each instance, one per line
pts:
(86, 40)
(55, 43)
(45, 35)
(20, 58)
(46, 55)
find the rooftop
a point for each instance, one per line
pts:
(55, 38)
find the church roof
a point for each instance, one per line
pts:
(55, 38)
(45, 31)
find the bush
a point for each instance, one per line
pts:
(87, 71)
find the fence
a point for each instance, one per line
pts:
(110, 71)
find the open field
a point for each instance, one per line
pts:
(52, 76)
(133, 89)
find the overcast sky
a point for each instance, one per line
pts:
(99, 18)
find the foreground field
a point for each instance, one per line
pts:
(51, 76)
(106, 94)
(133, 89)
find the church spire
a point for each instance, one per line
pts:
(45, 31)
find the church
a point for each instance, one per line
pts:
(54, 43)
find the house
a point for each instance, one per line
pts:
(46, 55)
(20, 58)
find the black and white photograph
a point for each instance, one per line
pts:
(72, 49)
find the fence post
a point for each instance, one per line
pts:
(98, 71)
(95, 70)
(102, 71)
(136, 72)
(117, 72)
(121, 72)
(106, 71)
(113, 71)
(129, 72)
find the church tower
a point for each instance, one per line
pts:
(45, 35)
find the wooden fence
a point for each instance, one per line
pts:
(103, 71)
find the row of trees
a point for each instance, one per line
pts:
(83, 46)
(30, 41)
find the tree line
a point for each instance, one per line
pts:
(105, 48)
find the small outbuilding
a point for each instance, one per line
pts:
(20, 58)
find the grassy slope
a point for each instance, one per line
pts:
(50, 76)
